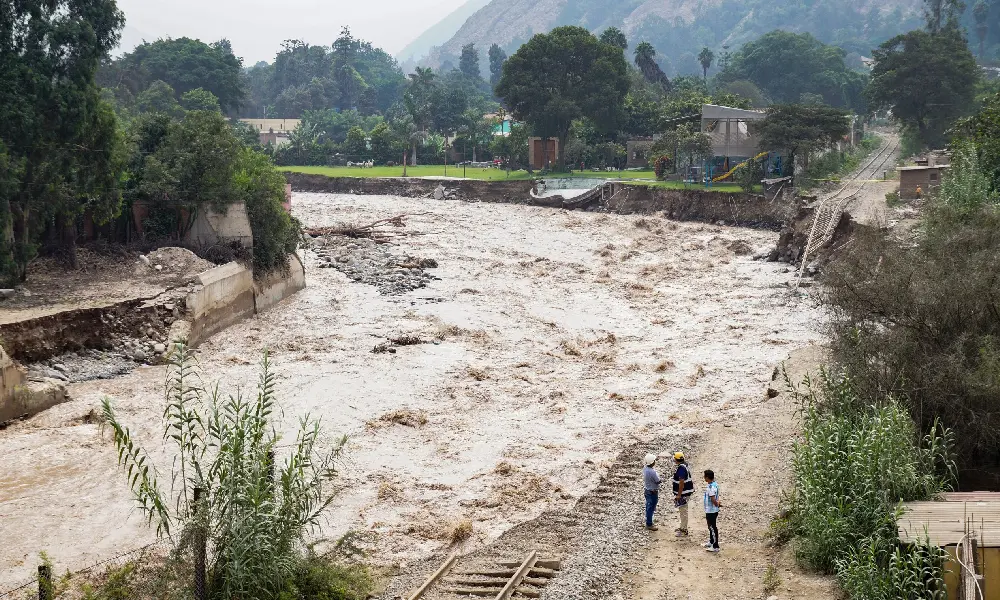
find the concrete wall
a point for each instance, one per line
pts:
(11, 377)
(32, 398)
(278, 286)
(212, 227)
(226, 297)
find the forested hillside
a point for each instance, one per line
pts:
(679, 29)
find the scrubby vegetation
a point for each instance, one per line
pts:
(231, 501)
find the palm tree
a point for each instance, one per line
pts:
(418, 103)
(981, 14)
(645, 59)
(706, 58)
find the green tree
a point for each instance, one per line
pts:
(983, 131)
(786, 65)
(418, 102)
(159, 98)
(58, 139)
(355, 146)
(981, 16)
(615, 37)
(706, 57)
(645, 59)
(186, 64)
(497, 58)
(252, 512)
(564, 75)
(685, 143)
(927, 80)
(199, 99)
(276, 234)
(386, 145)
(477, 130)
(801, 130)
(194, 166)
(469, 63)
(942, 14)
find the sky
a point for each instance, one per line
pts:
(256, 28)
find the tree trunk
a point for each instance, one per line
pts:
(21, 238)
(560, 151)
(413, 156)
(474, 153)
(68, 241)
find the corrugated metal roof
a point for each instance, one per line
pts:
(945, 523)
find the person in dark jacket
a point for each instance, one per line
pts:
(683, 487)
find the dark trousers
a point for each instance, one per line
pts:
(651, 499)
(713, 529)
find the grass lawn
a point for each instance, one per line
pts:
(418, 171)
(645, 177)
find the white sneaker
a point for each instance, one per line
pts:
(712, 550)
(707, 545)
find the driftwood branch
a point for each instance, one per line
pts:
(375, 231)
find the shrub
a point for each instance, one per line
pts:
(662, 165)
(252, 513)
(749, 174)
(920, 322)
(856, 462)
(276, 234)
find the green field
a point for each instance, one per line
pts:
(645, 177)
(418, 171)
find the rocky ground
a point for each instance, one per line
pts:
(554, 344)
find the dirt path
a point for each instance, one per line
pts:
(870, 208)
(750, 457)
(554, 340)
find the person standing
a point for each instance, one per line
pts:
(683, 487)
(712, 504)
(651, 489)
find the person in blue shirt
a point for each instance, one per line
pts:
(683, 487)
(651, 489)
(712, 504)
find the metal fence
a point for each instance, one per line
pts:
(118, 570)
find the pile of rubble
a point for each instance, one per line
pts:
(362, 253)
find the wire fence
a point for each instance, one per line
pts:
(139, 573)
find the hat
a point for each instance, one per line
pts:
(678, 456)
(649, 460)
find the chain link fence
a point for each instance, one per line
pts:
(149, 572)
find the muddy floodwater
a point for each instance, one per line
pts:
(553, 338)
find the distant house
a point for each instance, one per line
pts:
(924, 177)
(543, 153)
(273, 131)
(732, 140)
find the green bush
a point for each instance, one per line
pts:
(661, 166)
(276, 234)
(315, 578)
(856, 462)
(881, 569)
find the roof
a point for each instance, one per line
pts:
(923, 168)
(946, 522)
(714, 111)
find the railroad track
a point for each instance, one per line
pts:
(831, 209)
(506, 579)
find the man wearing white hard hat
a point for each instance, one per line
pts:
(651, 484)
(683, 487)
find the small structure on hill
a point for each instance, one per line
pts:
(923, 177)
(967, 526)
(273, 131)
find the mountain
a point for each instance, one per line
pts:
(440, 33)
(679, 29)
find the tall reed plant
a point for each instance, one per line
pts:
(856, 462)
(253, 512)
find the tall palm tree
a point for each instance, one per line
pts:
(706, 58)
(417, 100)
(981, 14)
(645, 59)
